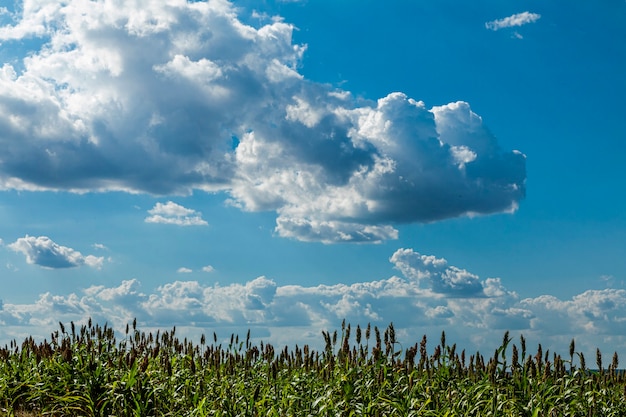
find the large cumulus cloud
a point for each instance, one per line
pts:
(165, 97)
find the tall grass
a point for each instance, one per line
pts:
(360, 372)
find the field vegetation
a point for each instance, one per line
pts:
(86, 371)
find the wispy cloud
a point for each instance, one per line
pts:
(208, 268)
(152, 106)
(172, 213)
(518, 19)
(184, 270)
(430, 296)
(46, 253)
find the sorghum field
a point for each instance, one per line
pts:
(86, 371)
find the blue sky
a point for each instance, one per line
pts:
(281, 166)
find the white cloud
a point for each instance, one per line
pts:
(44, 252)
(233, 304)
(172, 213)
(293, 314)
(518, 19)
(441, 277)
(167, 97)
(208, 268)
(123, 291)
(183, 270)
(369, 167)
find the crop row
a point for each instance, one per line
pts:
(86, 371)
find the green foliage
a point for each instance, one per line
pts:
(87, 372)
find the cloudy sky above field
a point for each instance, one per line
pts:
(283, 165)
